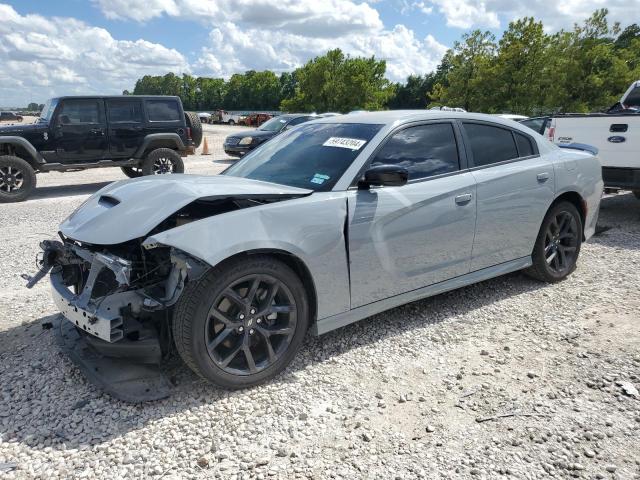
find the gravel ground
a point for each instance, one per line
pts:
(509, 378)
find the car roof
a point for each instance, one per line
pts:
(114, 97)
(291, 116)
(391, 117)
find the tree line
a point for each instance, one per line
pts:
(527, 71)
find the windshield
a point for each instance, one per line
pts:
(312, 156)
(48, 109)
(273, 125)
(633, 98)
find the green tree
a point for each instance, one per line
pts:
(469, 65)
(338, 82)
(519, 77)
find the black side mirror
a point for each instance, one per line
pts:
(384, 176)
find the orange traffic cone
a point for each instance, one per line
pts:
(205, 147)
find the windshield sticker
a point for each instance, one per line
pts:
(341, 142)
(319, 178)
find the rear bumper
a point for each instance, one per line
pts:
(623, 178)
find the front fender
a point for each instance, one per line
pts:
(35, 157)
(311, 228)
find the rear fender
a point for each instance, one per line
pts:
(160, 140)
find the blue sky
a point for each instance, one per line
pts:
(103, 46)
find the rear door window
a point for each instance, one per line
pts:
(124, 111)
(424, 150)
(525, 147)
(490, 144)
(162, 110)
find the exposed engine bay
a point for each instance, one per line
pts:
(115, 292)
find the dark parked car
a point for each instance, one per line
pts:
(10, 116)
(238, 144)
(143, 135)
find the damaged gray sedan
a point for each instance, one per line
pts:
(329, 223)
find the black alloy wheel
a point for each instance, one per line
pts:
(162, 161)
(556, 250)
(561, 242)
(251, 324)
(17, 179)
(11, 178)
(242, 322)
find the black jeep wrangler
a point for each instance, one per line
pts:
(143, 135)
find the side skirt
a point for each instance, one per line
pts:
(336, 321)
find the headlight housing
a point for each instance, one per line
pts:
(245, 141)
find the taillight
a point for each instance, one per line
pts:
(189, 133)
(551, 133)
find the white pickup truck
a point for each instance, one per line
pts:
(614, 133)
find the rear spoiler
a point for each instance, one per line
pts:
(579, 146)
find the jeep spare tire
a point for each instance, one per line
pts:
(17, 179)
(194, 123)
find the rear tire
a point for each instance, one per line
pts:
(241, 339)
(162, 161)
(17, 179)
(132, 172)
(231, 122)
(194, 123)
(558, 244)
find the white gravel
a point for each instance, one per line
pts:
(422, 391)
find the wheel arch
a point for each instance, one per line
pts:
(22, 148)
(577, 201)
(159, 140)
(292, 261)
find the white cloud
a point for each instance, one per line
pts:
(319, 18)
(262, 34)
(554, 14)
(233, 49)
(42, 57)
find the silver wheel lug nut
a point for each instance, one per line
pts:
(241, 316)
(251, 331)
(252, 311)
(241, 329)
(259, 320)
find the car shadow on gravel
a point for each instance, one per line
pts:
(66, 190)
(619, 222)
(46, 402)
(36, 374)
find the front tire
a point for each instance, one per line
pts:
(557, 246)
(243, 322)
(17, 179)
(162, 161)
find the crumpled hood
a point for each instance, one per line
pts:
(130, 209)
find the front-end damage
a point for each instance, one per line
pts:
(117, 303)
(116, 289)
(116, 292)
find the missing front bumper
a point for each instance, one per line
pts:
(122, 378)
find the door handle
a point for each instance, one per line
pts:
(463, 199)
(543, 177)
